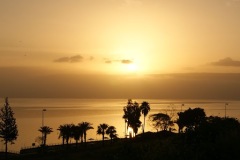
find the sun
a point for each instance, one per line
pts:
(132, 67)
(129, 58)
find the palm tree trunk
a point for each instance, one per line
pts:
(125, 129)
(85, 137)
(67, 139)
(103, 137)
(81, 138)
(144, 124)
(45, 139)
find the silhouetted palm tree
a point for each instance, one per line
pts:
(85, 127)
(62, 130)
(45, 130)
(111, 131)
(102, 130)
(77, 133)
(132, 113)
(145, 108)
(65, 132)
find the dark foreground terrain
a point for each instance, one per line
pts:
(163, 145)
(214, 138)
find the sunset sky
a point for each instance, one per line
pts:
(120, 48)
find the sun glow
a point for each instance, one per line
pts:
(132, 67)
(130, 60)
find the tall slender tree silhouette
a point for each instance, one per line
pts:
(145, 108)
(8, 126)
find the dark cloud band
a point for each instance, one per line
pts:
(227, 62)
(73, 59)
(123, 61)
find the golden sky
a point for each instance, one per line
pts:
(118, 37)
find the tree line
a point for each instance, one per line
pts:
(132, 113)
(192, 122)
(78, 132)
(188, 121)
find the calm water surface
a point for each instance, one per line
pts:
(28, 113)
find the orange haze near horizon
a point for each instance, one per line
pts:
(51, 47)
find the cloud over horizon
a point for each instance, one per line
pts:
(108, 61)
(228, 62)
(72, 59)
(123, 61)
(30, 82)
(126, 61)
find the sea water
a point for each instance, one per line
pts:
(30, 116)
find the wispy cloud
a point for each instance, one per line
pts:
(73, 59)
(62, 60)
(76, 58)
(229, 62)
(123, 61)
(91, 58)
(108, 61)
(230, 3)
(126, 61)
